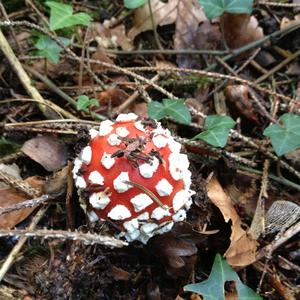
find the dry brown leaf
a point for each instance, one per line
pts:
(109, 37)
(286, 22)
(57, 184)
(10, 197)
(163, 14)
(47, 151)
(238, 95)
(242, 249)
(112, 96)
(141, 109)
(190, 15)
(100, 55)
(240, 30)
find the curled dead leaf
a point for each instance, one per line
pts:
(57, 184)
(163, 14)
(112, 96)
(10, 197)
(107, 37)
(240, 30)
(242, 248)
(190, 15)
(286, 22)
(238, 95)
(46, 151)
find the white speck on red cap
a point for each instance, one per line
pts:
(132, 225)
(107, 161)
(122, 131)
(138, 125)
(77, 166)
(148, 228)
(174, 146)
(148, 169)
(178, 164)
(119, 184)
(165, 227)
(141, 201)
(144, 216)
(80, 182)
(126, 117)
(179, 216)
(114, 140)
(92, 216)
(96, 178)
(119, 212)
(187, 179)
(86, 155)
(105, 127)
(180, 199)
(93, 133)
(99, 200)
(132, 236)
(158, 213)
(164, 188)
(160, 141)
(162, 131)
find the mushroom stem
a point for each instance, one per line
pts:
(148, 192)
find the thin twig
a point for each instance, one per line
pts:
(156, 36)
(19, 184)
(278, 67)
(17, 248)
(87, 238)
(24, 78)
(258, 221)
(279, 4)
(148, 192)
(54, 88)
(25, 204)
(58, 41)
(213, 75)
(280, 239)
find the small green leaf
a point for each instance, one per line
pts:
(213, 287)
(94, 102)
(216, 8)
(49, 48)
(61, 16)
(169, 108)
(216, 130)
(132, 4)
(285, 138)
(84, 103)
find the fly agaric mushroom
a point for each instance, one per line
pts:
(133, 173)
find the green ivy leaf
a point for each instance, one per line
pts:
(285, 138)
(61, 16)
(216, 130)
(49, 48)
(84, 103)
(132, 4)
(216, 8)
(213, 287)
(169, 108)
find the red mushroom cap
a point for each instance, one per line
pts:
(135, 175)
